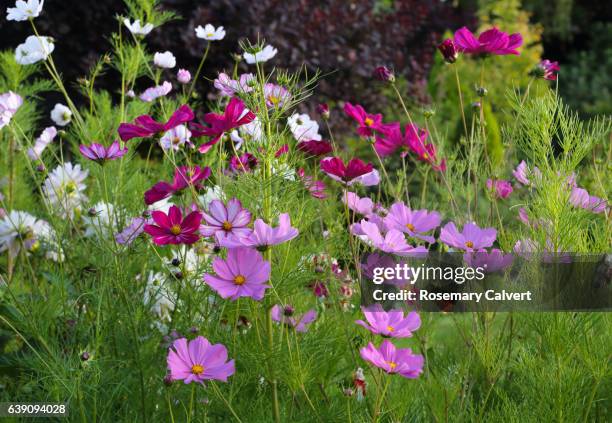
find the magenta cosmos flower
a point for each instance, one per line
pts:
(145, 126)
(222, 220)
(243, 164)
(354, 172)
(391, 323)
(100, 154)
(471, 238)
(448, 50)
(198, 360)
(315, 188)
(413, 222)
(500, 187)
(394, 360)
(368, 123)
(315, 148)
(243, 274)
(393, 140)
(548, 70)
(184, 177)
(171, 228)
(263, 235)
(235, 115)
(286, 316)
(392, 242)
(491, 41)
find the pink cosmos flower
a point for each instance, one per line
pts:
(145, 126)
(263, 235)
(131, 232)
(46, 137)
(413, 222)
(100, 154)
(363, 206)
(500, 187)
(284, 149)
(522, 173)
(276, 96)
(394, 360)
(245, 163)
(184, 177)
(355, 171)
(235, 115)
(183, 76)
(471, 238)
(491, 261)
(229, 87)
(580, 197)
(243, 274)
(222, 220)
(171, 228)
(315, 148)
(368, 123)
(491, 41)
(393, 242)
(285, 315)
(153, 93)
(316, 188)
(197, 360)
(391, 324)
(448, 50)
(9, 104)
(549, 69)
(393, 139)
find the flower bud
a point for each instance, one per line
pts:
(183, 76)
(41, 168)
(323, 110)
(476, 105)
(176, 262)
(194, 330)
(168, 380)
(384, 74)
(448, 50)
(429, 113)
(482, 91)
(85, 356)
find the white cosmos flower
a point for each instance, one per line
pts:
(33, 50)
(175, 138)
(303, 128)
(212, 193)
(193, 261)
(24, 10)
(20, 230)
(164, 60)
(9, 104)
(158, 296)
(136, 29)
(260, 56)
(64, 188)
(45, 138)
(61, 115)
(161, 205)
(101, 220)
(252, 131)
(210, 33)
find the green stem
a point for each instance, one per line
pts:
(197, 74)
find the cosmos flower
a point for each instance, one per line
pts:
(19, 230)
(61, 115)
(252, 131)
(355, 171)
(34, 49)
(384, 74)
(394, 360)
(243, 164)
(229, 87)
(260, 55)
(146, 126)
(522, 173)
(198, 360)
(363, 206)
(101, 219)
(222, 220)
(41, 143)
(152, 93)
(491, 261)
(243, 274)
(184, 177)
(175, 138)
(491, 41)
(392, 324)
(64, 188)
(24, 10)
(548, 70)
(136, 29)
(164, 60)
(286, 316)
(158, 297)
(413, 222)
(9, 104)
(131, 232)
(303, 128)
(448, 50)
(580, 197)
(315, 148)
(276, 96)
(500, 187)
(210, 33)
(471, 238)
(183, 76)
(263, 235)
(392, 242)
(316, 188)
(100, 154)
(323, 110)
(415, 140)
(368, 124)
(172, 228)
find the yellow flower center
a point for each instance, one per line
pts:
(175, 229)
(239, 280)
(227, 226)
(210, 34)
(368, 121)
(469, 244)
(425, 156)
(390, 328)
(176, 140)
(71, 187)
(410, 226)
(274, 99)
(392, 365)
(197, 369)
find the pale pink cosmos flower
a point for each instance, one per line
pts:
(229, 87)
(152, 93)
(9, 103)
(222, 220)
(286, 316)
(276, 96)
(580, 197)
(363, 206)
(183, 76)
(413, 222)
(44, 139)
(263, 235)
(392, 242)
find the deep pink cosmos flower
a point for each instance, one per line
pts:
(315, 148)
(145, 126)
(393, 241)
(222, 220)
(263, 235)
(235, 115)
(391, 323)
(491, 41)
(499, 187)
(184, 177)
(580, 197)
(243, 274)
(197, 360)
(548, 70)
(471, 238)
(100, 154)
(448, 50)
(316, 188)
(394, 360)
(245, 163)
(413, 222)
(171, 228)
(368, 123)
(393, 139)
(363, 206)
(491, 261)
(355, 171)
(286, 316)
